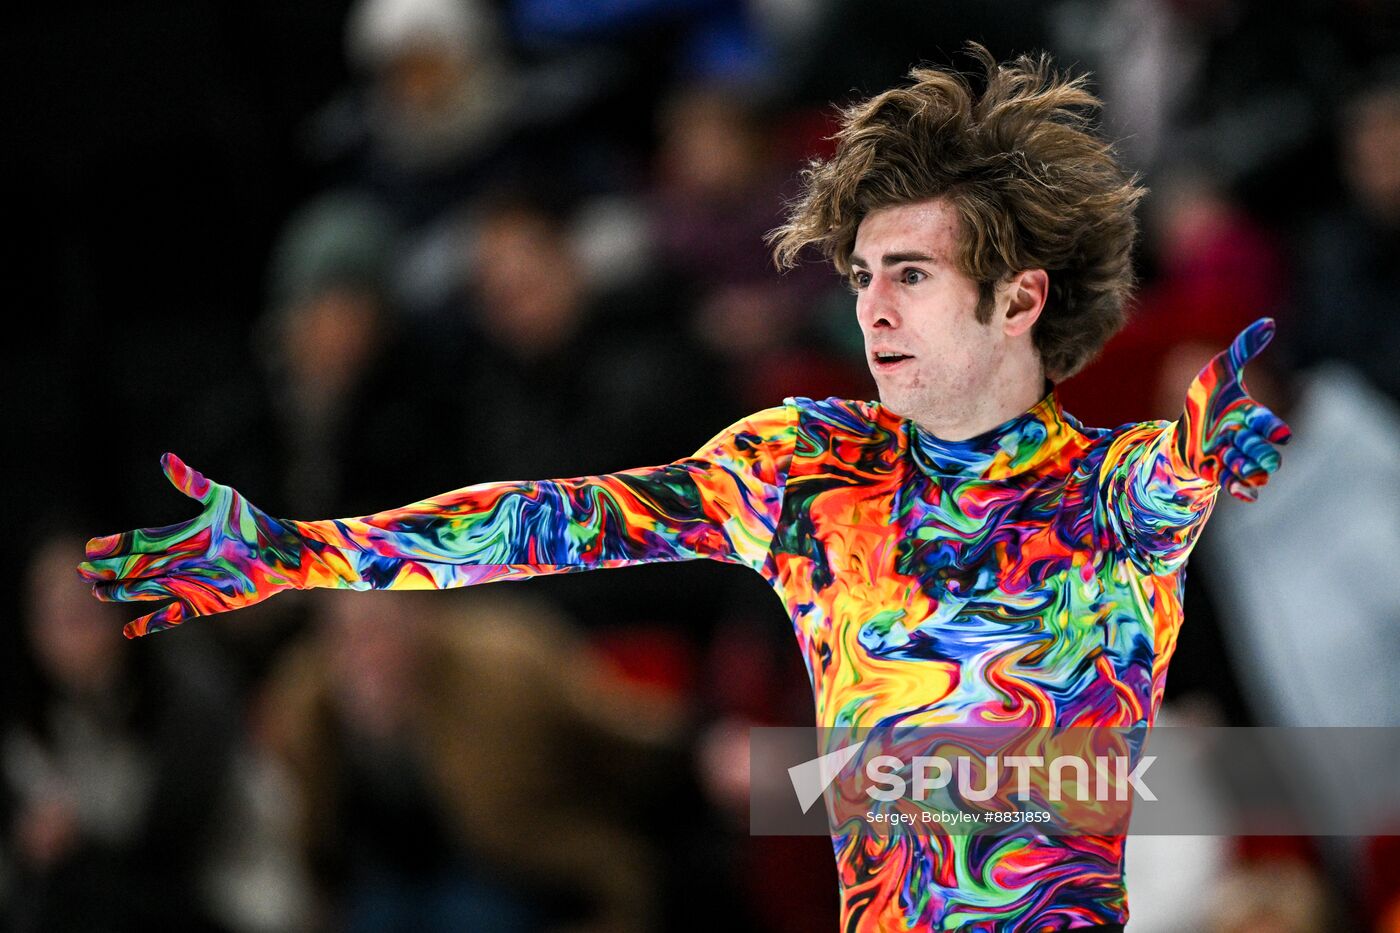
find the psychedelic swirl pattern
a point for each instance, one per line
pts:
(1029, 576)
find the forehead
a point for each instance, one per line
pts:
(924, 226)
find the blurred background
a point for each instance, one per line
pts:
(344, 256)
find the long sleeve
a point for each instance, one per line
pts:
(1150, 501)
(721, 503)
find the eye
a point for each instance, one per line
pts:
(914, 276)
(859, 279)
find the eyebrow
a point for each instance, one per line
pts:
(894, 259)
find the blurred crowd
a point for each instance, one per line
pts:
(524, 239)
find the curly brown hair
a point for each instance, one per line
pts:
(1021, 163)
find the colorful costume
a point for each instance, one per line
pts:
(1026, 576)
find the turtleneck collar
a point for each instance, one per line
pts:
(1010, 448)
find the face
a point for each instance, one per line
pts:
(917, 308)
(523, 310)
(1373, 157)
(72, 633)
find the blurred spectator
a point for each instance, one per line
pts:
(1146, 59)
(604, 381)
(439, 109)
(1243, 88)
(327, 341)
(115, 771)
(718, 188)
(445, 114)
(548, 377)
(1350, 303)
(1217, 270)
(338, 407)
(336, 418)
(468, 764)
(718, 191)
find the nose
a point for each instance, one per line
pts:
(876, 305)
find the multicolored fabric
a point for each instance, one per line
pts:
(1027, 576)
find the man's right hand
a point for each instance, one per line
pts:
(230, 556)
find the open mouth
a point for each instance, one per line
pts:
(889, 360)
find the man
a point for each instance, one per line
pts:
(962, 551)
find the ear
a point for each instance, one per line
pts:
(1026, 292)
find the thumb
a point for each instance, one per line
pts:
(158, 621)
(1247, 345)
(191, 482)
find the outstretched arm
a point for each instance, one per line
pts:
(1159, 484)
(721, 503)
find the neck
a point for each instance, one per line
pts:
(1018, 444)
(1009, 394)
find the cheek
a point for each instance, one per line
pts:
(953, 357)
(946, 343)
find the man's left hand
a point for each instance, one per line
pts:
(1226, 436)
